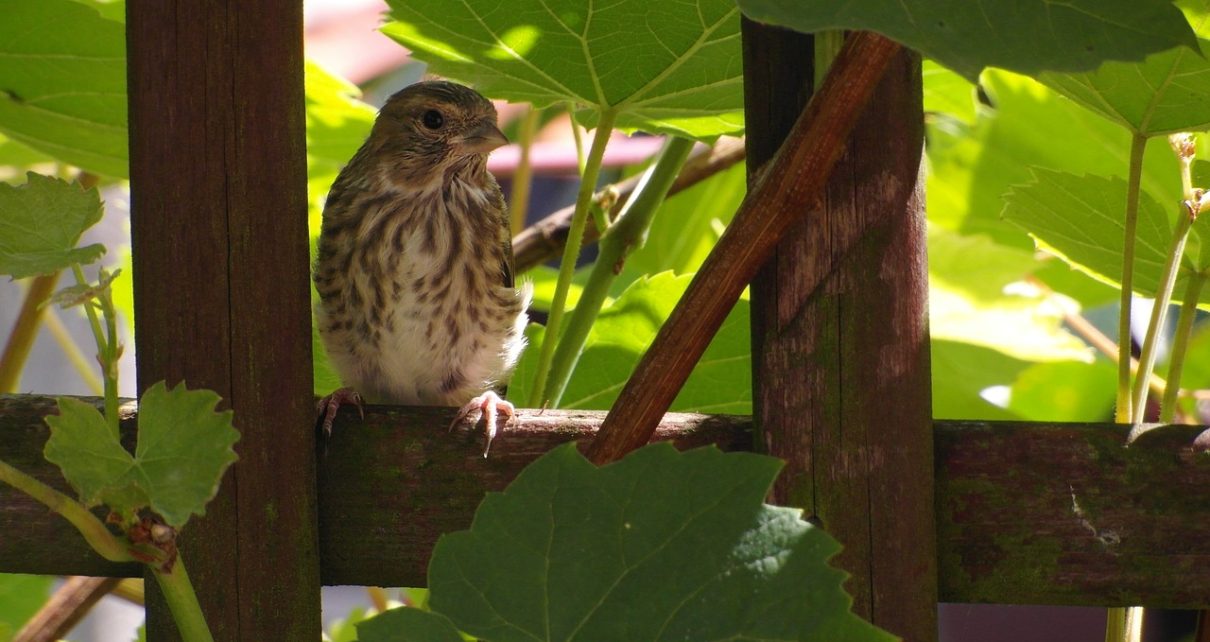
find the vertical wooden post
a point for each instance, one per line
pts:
(219, 227)
(841, 373)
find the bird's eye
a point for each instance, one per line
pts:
(433, 119)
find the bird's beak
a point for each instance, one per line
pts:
(482, 139)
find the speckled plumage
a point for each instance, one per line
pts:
(418, 303)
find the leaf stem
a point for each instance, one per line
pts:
(575, 237)
(105, 543)
(182, 601)
(1180, 344)
(577, 136)
(106, 352)
(627, 233)
(523, 178)
(1159, 312)
(25, 330)
(1123, 411)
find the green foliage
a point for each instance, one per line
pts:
(1079, 218)
(1167, 92)
(20, 598)
(671, 67)
(64, 93)
(622, 333)
(1024, 36)
(662, 545)
(408, 625)
(184, 447)
(41, 224)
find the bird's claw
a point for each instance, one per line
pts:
(490, 405)
(329, 405)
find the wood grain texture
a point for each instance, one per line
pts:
(1008, 531)
(794, 179)
(840, 341)
(219, 232)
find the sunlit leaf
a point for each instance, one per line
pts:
(41, 223)
(1027, 36)
(671, 67)
(64, 88)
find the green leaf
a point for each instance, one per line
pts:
(20, 598)
(1167, 92)
(183, 449)
(720, 383)
(671, 67)
(1079, 219)
(1067, 391)
(962, 372)
(946, 92)
(687, 226)
(1029, 125)
(976, 296)
(91, 458)
(407, 624)
(662, 545)
(41, 223)
(1028, 36)
(64, 89)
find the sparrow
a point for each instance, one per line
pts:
(418, 303)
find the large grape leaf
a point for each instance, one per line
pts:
(183, 449)
(1080, 219)
(672, 67)
(661, 545)
(64, 83)
(1028, 36)
(1167, 92)
(41, 223)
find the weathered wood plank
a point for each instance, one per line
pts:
(839, 335)
(1007, 530)
(219, 234)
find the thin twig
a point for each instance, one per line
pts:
(69, 604)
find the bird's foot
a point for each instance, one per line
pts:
(328, 406)
(490, 405)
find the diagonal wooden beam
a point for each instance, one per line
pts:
(792, 182)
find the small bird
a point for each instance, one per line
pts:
(417, 299)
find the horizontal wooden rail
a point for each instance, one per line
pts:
(1027, 513)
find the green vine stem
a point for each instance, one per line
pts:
(25, 330)
(105, 543)
(107, 351)
(625, 234)
(182, 601)
(1180, 344)
(1159, 312)
(518, 206)
(571, 252)
(1123, 411)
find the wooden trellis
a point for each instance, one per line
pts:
(957, 511)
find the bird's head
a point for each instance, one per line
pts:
(437, 125)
